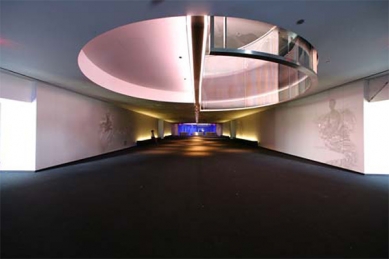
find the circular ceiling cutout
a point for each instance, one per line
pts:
(148, 60)
(239, 63)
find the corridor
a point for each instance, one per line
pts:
(194, 197)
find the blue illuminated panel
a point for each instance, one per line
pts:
(191, 129)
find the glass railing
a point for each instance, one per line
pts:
(252, 64)
(243, 34)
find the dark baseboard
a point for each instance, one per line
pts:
(245, 142)
(92, 158)
(17, 171)
(147, 142)
(306, 160)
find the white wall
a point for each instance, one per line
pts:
(233, 130)
(16, 88)
(219, 129)
(226, 129)
(167, 128)
(164, 129)
(376, 129)
(310, 128)
(53, 126)
(71, 127)
(17, 122)
(17, 135)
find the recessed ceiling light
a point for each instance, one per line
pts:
(301, 21)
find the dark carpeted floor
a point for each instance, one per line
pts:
(194, 197)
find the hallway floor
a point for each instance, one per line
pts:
(194, 197)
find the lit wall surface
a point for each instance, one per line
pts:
(17, 135)
(327, 127)
(167, 129)
(71, 127)
(52, 126)
(377, 137)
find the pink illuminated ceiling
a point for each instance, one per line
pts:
(151, 59)
(148, 60)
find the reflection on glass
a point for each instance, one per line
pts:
(236, 82)
(236, 33)
(244, 83)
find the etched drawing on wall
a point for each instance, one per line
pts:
(113, 132)
(106, 130)
(335, 128)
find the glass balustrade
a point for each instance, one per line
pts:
(251, 64)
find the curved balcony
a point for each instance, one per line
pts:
(252, 64)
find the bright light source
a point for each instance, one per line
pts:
(17, 135)
(376, 127)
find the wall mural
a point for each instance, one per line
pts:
(113, 130)
(106, 130)
(335, 128)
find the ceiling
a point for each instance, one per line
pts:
(148, 60)
(43, 39)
